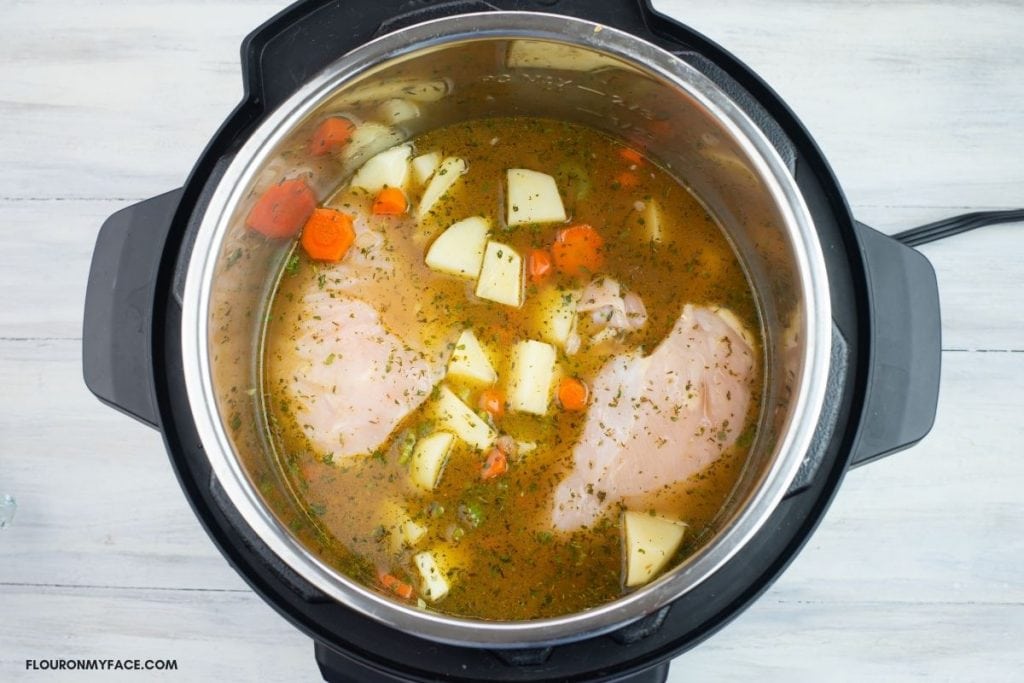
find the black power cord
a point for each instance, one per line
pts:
(956, 225)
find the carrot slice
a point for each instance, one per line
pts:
(328, 235)
(334, 133)
(627, 179)
(493, 401)
(396, 586)
(282, 209)
(578, 250)
(631, 155)
(495, 465)
(573, 394)
(390, 201)
(539, 265)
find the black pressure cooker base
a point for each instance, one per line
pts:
(352, 647)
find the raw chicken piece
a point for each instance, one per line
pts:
(657, 420)
(609, 307)
(358, 362)
(350, 380)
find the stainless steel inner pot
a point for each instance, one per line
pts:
(501, 64)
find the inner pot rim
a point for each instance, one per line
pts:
(428, 36)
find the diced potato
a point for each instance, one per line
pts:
(368, 139)
(650, 544)
(397, 110)
(434, 583)
(429, 457)
(390, 168)
(501, 276)
(459, 250)
(413, 532)
(424, 166)
(650, 222)
(555, 316)
(525, 447)
(531, 372)
(533, 198)
(450, 170)
(403, 530)
(469, 360)
(454, 415)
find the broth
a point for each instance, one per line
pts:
(502, 556)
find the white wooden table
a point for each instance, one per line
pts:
(918, 570)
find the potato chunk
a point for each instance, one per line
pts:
(501, 275)
(533, 198)
(434, 583)
(397, 110)
(424, 165)
(459, 250)
(389, 168)
(650, 544)
(403, 530)
(450, 170)
(531, 372)
(469, 360)
(454, 415)
(555, 315)
(429, 457)
(650, 222)
(369, 138)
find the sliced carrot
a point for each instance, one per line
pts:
(627, 179)
(573, 394)
(631, 156)
(396, 586)
(334, 133)
(578, 250)
(492, 401)
(328, 235)
(539, 264)
(282, 209)
(390, 201)
(495, 465)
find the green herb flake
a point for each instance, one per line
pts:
(406, 449)
(233, 258)
(472, 513)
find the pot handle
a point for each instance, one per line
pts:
(906, 347)
(117, 357)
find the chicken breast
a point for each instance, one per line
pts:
(351, 380)
(655, 421)
(357, 363)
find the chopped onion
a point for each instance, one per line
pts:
(507, 445)
(572, 344)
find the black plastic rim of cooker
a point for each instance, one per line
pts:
(883, 377)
